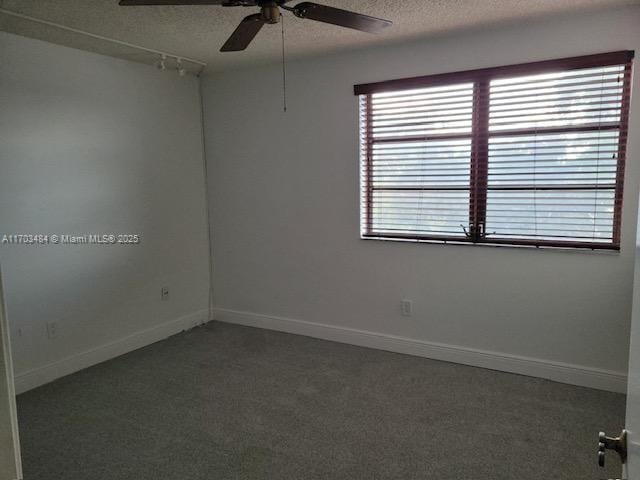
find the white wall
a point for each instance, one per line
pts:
(91, 144)
(284, 210)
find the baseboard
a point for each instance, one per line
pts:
(533, 367)
(39, 376)
(556, 371)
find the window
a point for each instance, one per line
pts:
(529, 154)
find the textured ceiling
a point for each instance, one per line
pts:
(199, 31)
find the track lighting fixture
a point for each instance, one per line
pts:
(160, 55)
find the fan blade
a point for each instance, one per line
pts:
(126, 3)
(343, 18)
(242, 36)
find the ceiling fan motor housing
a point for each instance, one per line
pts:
(270, 12)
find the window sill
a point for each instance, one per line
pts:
(609, 250)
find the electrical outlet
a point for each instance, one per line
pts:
(52, 330)
(406, 308)
(164, 293)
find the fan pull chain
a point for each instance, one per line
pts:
(284, 70)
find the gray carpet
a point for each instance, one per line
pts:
(230, 402)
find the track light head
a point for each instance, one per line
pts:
(161, 64)
(180, 67)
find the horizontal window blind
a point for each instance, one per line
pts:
(553, 155)
(419, 148)
(528, 155)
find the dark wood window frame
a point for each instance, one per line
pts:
(481, 79)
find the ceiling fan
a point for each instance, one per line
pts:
(270, 13)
